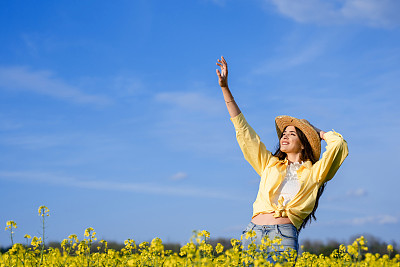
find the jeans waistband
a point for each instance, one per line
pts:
(271, 226)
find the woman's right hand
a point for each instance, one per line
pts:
(223, 74)
(233, 108)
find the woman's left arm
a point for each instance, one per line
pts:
(333, 157)
(319, 131)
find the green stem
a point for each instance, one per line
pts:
(89, 247)
(11, 234)
(43, 243)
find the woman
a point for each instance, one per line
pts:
(292, 179)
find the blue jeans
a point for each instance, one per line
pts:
(286, 232)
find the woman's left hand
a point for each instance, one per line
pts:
(319, 131)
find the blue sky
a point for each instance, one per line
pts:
(111, 114)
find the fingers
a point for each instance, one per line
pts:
(224, 67)
(223, 73)
(222, 61)
(220, 75)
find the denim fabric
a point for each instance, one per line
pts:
(287, 232)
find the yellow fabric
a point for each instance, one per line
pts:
(273, 171)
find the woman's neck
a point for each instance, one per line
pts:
(293, 157)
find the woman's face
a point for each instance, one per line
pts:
(290, 142)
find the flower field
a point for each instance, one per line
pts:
(198, 252)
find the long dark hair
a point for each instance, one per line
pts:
(306, 154)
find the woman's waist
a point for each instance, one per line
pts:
(269, 219)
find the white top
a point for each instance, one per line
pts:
(290, 184)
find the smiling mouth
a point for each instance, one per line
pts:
(285, 143)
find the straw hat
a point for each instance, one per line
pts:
(312, 136)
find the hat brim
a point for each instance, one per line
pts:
(281, 122)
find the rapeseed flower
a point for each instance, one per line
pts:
(219, 248)
(43, 211)
(11, 225)
(194, 253)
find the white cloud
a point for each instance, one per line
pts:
(359, 192)
(380, 219)
(145, 188)
(287, 59)
(44, 82)
(179, 176)
(43, 141)
(191, 101)
(194, 122)
(34, 141)
(388, 219)
(200, 134)
(7, 124)
(306, 10)
(127, 85)
(350, 194)
(30, 43)
(376, 13)
(218, 2)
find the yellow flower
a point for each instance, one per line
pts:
(362, 240)
(219, 248)
(205, 233)
(89, 232)
(250, 234)
(143, 245)
(73, 237)
(10, 225)
(390, 248)
(27, 236)
(43, 211)
(234, 242)
(36, 241)
(277, 240)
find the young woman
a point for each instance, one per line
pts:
(292, 179)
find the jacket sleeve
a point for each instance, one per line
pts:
(253, 149)
(333, 157)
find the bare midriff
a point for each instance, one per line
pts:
(269, 219)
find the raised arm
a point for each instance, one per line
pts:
(333, 157)
(233, 108)
(253, 149)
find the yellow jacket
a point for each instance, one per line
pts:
(273, 171)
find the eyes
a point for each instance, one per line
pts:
(291, 134)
